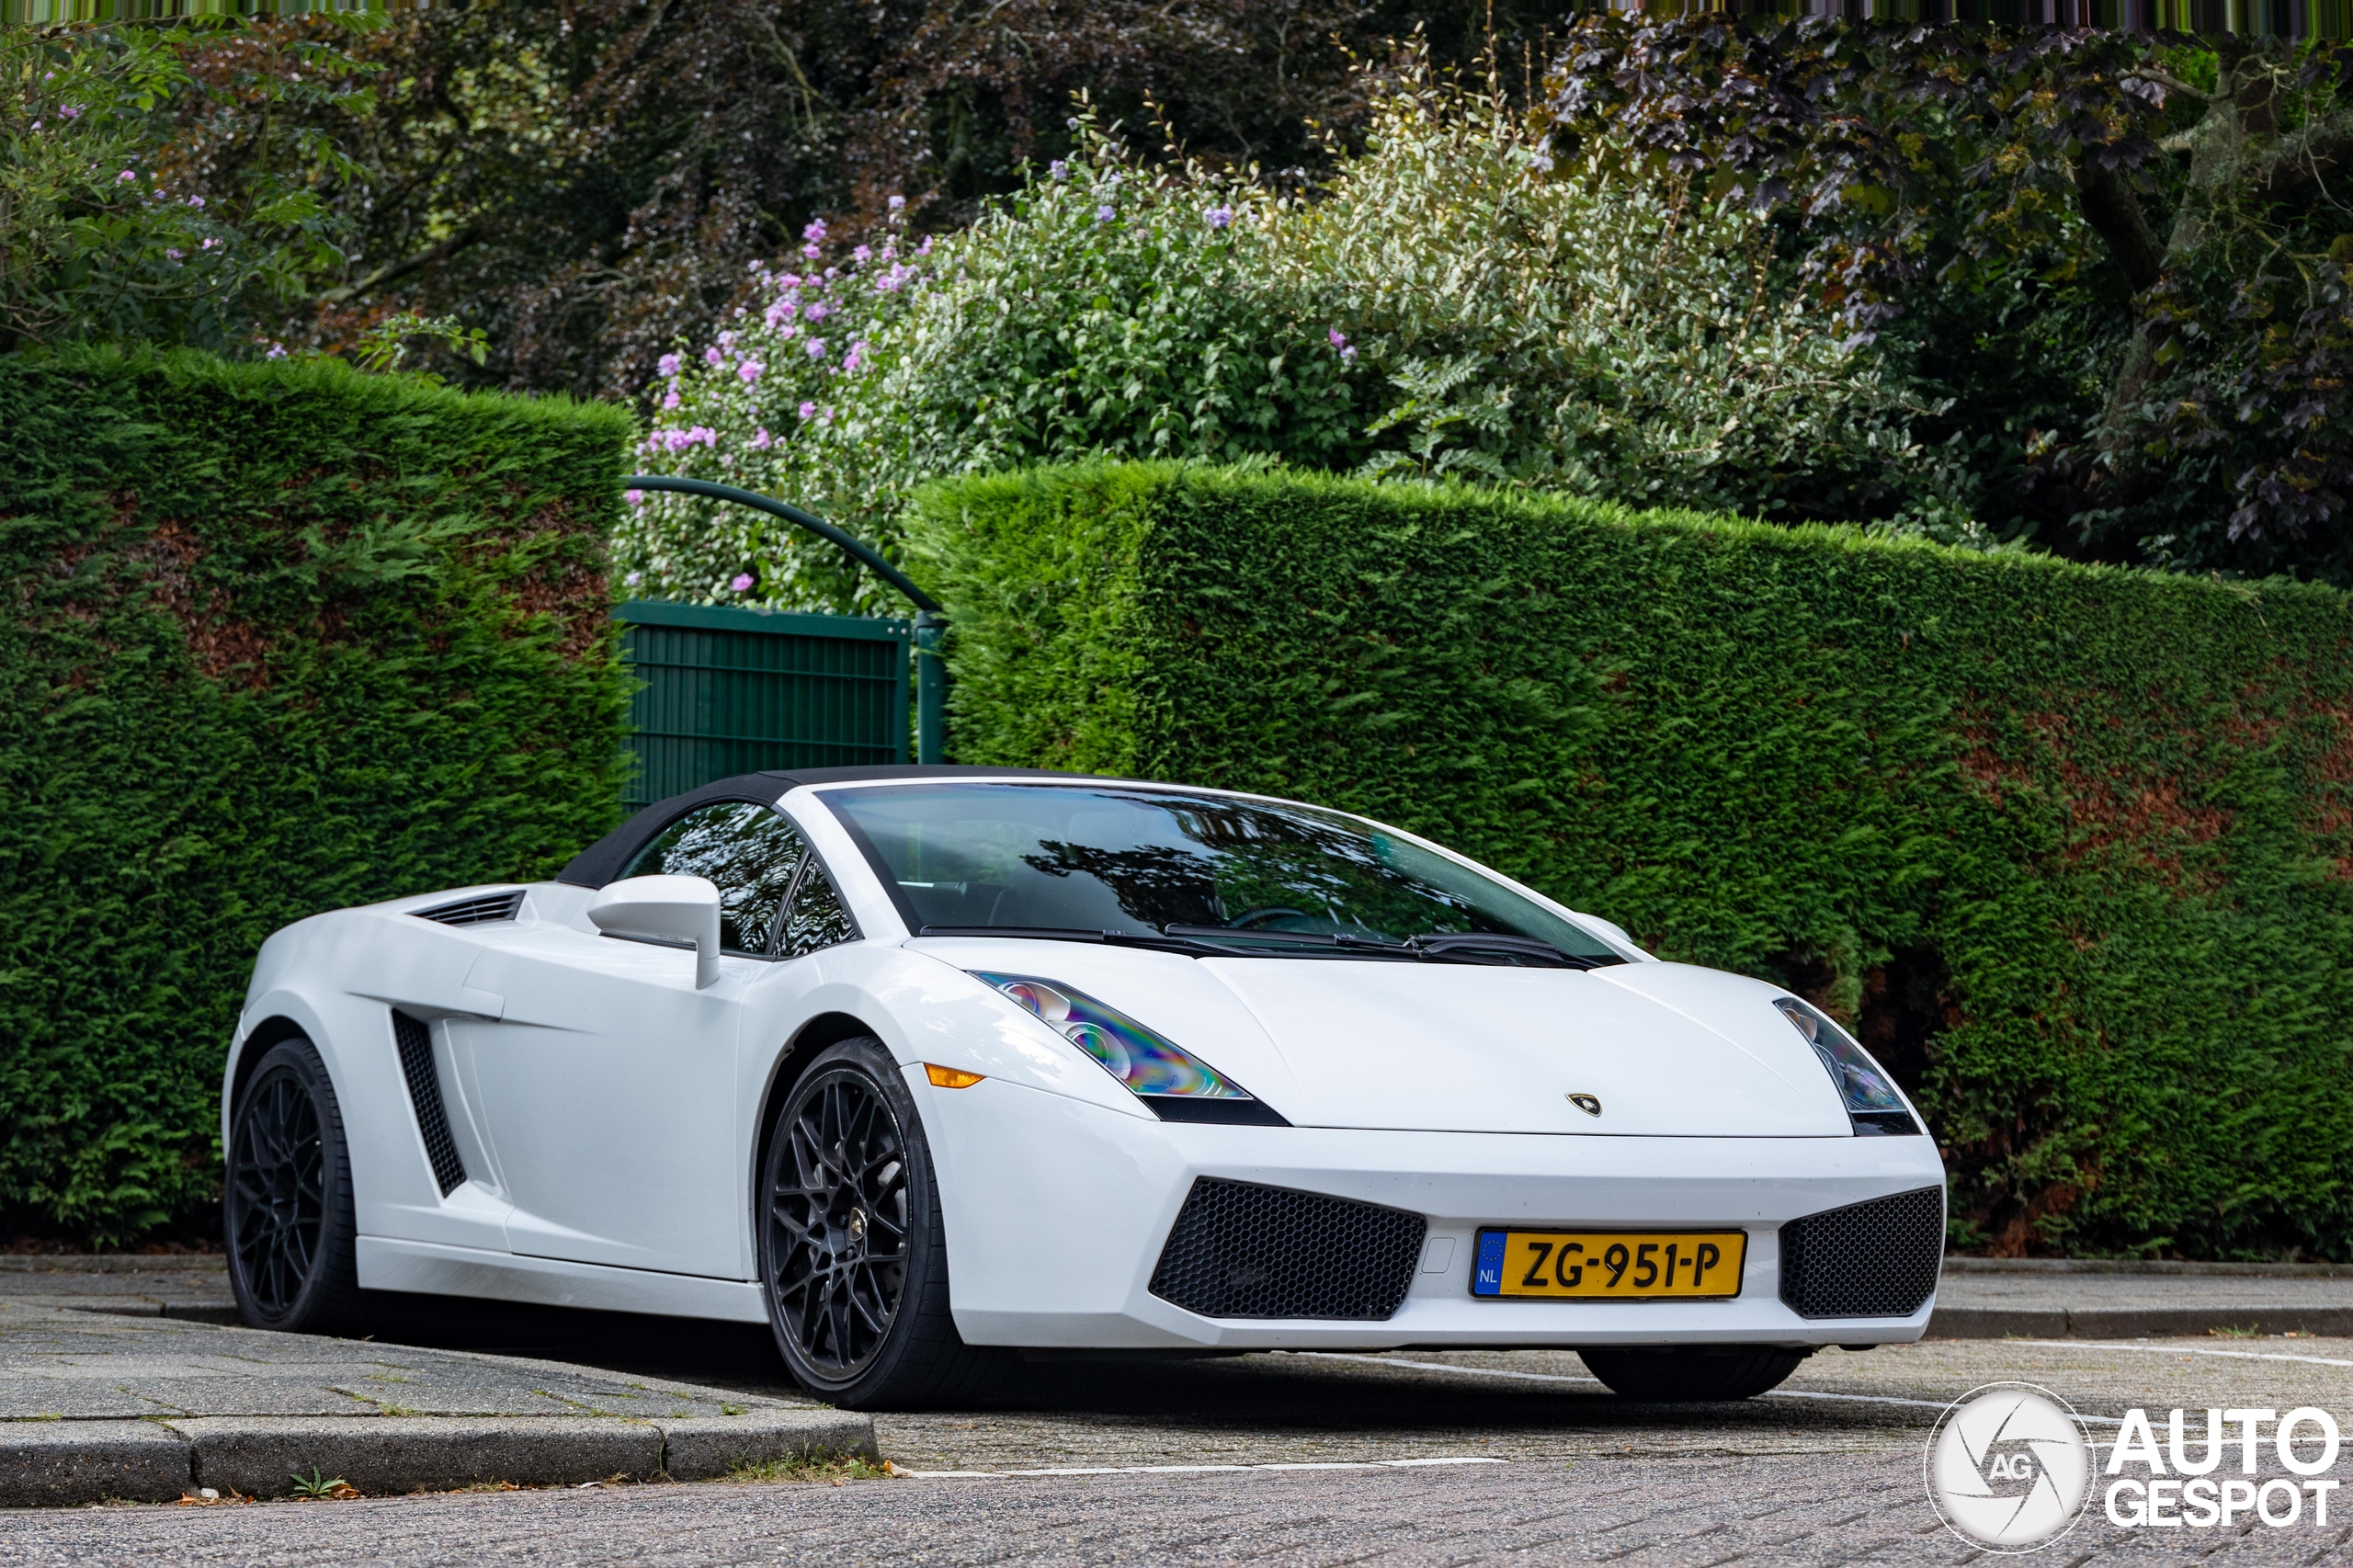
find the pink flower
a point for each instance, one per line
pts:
(1339, 338)
(750, 370)
(815, 231)
(808, 411)
(727, 340)
(175, 255)
(761, 440)
(817, 346)
(741, 582)
(810, 252)
(818, 311)
(712, 357)
(126, 174)
(897, 202)
(196, 202)
(633, 579)
(668, 364)
(635, 498)
(671, 400)
(863, 254)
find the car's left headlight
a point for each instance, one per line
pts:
(1873, 1104)
(1178, 1086)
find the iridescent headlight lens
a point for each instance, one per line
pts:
(1146, 1063)
(1863, 1085)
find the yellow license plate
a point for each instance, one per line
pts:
(1624, 1265)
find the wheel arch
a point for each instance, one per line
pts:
(824, 1030)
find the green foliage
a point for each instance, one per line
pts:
(2072, 847)
(1452, 303)
(282, 638)
(106, 228)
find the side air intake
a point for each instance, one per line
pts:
(1240, 1250)
(1878, 1259)
(478, 911)
(425, 1094)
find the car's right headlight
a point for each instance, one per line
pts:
(1177, 1085)
(1868, 1093)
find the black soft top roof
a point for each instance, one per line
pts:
(602, 861)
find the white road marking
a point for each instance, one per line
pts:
(1201, 1468)
(2185, 1350)
(1566, 1378)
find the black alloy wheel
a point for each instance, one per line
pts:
(838, 1209)
(853, 1253)
(286, 1205)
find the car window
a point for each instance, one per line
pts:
(750, 852)
(1253, 875)
(814, 916)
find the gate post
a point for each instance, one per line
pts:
(931, 688)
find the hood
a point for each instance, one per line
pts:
(1668, 1049)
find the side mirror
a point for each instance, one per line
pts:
(669, 912)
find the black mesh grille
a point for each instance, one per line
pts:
(1239, 1250)
(425, 1094)
(1868, 1260)
(475, 911)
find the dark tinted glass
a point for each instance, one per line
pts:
(750, 852)
(1104, 859)
(813, 916)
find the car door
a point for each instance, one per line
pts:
(608, 1083)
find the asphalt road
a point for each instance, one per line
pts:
(1418, 1458)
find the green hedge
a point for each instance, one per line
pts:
(279, 637)
(2072, 847)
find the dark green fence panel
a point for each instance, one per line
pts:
(736, 691)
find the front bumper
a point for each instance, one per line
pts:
(1056, 1211)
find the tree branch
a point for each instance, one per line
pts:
(2304, 158)
(2114, 212)
(394, 270)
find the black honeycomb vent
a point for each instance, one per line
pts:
(1868, 1260)
(482, 911)
(425, 1094)
(1239, 1250)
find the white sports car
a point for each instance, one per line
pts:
(925, 1067)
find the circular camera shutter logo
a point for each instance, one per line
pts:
(2008, 1468)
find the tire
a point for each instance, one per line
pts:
(853, 1255)
(286, 1207)
(1688, 1373)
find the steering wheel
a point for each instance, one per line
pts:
(1244, 922)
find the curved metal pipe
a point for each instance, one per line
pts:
(791, 513)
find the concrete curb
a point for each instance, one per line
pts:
(56, 1463)
(2132, 1322)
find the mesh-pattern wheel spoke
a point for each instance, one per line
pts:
(838, 1222)
(276, 1191)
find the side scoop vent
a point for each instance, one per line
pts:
(425, 1094)
(481, 910)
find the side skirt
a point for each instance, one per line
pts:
(434, 1268)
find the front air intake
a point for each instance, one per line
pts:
(1239, 1250)
(1878, 1259)
(478, 911)
(424, 1097)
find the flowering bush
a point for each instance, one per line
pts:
(104, 231)
(1452, 305)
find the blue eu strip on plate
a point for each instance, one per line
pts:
(1488, 1280)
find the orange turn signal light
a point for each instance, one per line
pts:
(950, 1077)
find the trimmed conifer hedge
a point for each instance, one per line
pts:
(2071, 847)
(279, 637)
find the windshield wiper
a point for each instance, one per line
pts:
(1296, 939)
(1441, 947)
(1152, 940)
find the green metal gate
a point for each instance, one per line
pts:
(726, 691)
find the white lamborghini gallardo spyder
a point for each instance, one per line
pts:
(927, 1067)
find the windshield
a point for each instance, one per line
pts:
(1249, 875)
